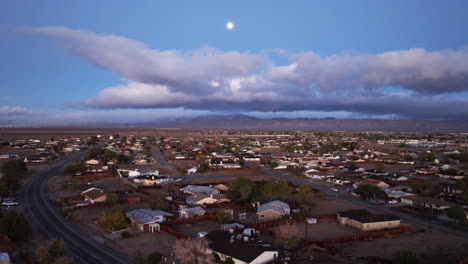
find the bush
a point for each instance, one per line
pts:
(125, 234)
(15, 226)
(404, 257)
(154, 258)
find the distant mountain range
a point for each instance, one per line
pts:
(245, 122)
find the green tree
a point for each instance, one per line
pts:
(52, 252)
(75, 168)
(154, 258)
(112, 199)
(369, 189)
(4, 190)
(158, 201)
(404, 257)
(456, 212)
(229, 261)
(114, 219)
(274, 190)
(380, 167)
(464, 187)
(243, 190)
(305, 195)
(426, 157)
(15, 225)
(13, 171)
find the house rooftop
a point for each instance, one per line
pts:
(364, 216)
(220, 241)
(146, 215)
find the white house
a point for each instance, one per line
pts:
(240, 248)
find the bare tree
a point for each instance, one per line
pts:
(289, 233)
(193, 251)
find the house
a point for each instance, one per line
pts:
(94, 195)
(370, 181)
(426, 202)
(4, 258)
(201, 198)
(146, 219)
(193, 189)
(396, 194)
(192, 170)
(92, 162)
(185, 212)
(242, 249)
(366, 221)
(272, 211)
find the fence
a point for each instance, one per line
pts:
(270, 224)
(326, 244)
(192, 219)
(172, 231)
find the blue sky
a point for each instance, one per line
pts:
(283, 58)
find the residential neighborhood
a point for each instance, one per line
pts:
(303, 197)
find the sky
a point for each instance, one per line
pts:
(80, 62)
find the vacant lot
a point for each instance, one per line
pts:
(191, 229)
(431, 247)
(324, 229)
(145, 243)
(326, 206)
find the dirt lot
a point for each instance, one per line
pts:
(84, 217)
(191, 229)
(327, 206)
(324, 229)
(144, 242)
(431, 247)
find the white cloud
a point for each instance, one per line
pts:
(210, 79)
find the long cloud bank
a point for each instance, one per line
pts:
(211, 79)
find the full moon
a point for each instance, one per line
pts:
(230, 25)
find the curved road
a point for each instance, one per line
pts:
(47, 219)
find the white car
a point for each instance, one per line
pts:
(334, 189)
(392, 201)
(9, 203)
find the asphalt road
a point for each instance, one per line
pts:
(46, 218)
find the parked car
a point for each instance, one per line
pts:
(334, 189)
(392, 201)
(9, 202)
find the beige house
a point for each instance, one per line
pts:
(273, 210)
(366, 221)
(94, 195)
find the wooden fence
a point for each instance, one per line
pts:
(192, 219)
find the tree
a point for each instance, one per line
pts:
(92, 141)
(193, 251)
(305, 195)
(370, 190)
(274, 190)
(112, 199)
(426, 157)
(51, 252)
(223, 216)
(13, 171)
(456, 212)
(229, 261)
(296, 170)
(75, 168)
(290, 234)
(154, 258)
(404, 257)
(243, 190)
(114, 219)
(15, 226)
(380, 167)
(464, 187)
(158, 201)
(4, 190)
